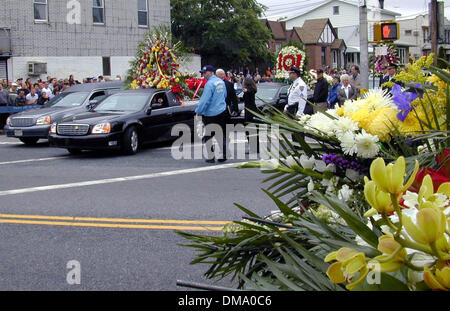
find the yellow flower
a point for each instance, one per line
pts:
(411, 125)
(390, 178)
(440, 280)
(340, 111)
(349, 263)
(388, 246)
(382, 124)
(431, 224)
(379, 200)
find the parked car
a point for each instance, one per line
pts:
(30, 126)
(123, 121)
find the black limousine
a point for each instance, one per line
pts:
(30, 126)
(123, 121)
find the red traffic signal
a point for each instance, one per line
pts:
(389, 31)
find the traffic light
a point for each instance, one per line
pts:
(386, 32)
(389, 31)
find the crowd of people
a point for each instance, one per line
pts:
(21, 93)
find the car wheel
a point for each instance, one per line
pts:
(29, 141)
(131, 141)
(75, 151)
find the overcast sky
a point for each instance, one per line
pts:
(405, 7)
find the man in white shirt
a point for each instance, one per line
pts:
(32, 97)
(46, 90)
(297, 94)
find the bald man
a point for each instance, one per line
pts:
(231, 100)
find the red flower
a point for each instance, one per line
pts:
(436, 176)
(176, 89)
(443, 161)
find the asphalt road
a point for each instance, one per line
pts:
(113, 214)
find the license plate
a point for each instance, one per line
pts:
(18, 133)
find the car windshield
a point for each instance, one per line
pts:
(123, 102)
(67, 100)
(266, 94)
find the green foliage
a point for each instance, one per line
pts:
(223, 32)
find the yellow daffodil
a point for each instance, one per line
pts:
(431, 224)
(390, 178)
(379, 200)
(438, 281)
(349, 263)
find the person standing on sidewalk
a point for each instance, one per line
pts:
(232, 100)
(297, 94)
(321, 91)
(213, 108)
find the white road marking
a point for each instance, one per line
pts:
(33, 160)
(9, 143)
(117, 180)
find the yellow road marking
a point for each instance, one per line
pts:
(162, 224)
(103, 225)
(120, 220)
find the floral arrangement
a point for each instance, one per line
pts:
(382, 61)
(362, 195)
(288, 57)
(157, 65)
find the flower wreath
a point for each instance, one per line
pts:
(288, 57)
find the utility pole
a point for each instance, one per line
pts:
(433, 11)
(364, 44)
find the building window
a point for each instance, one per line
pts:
(408, 32)
(336, 10)
(402, 55)
(40, 11)
(98, 12)
(106, 66)
(426, 34)
(324, 57)
(277, 47)
(142, 13)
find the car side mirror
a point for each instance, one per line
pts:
(148, 111)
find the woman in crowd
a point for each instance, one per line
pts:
(250, 89)
(333, 95)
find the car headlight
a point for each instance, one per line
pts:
(8, 121)
(44, 120)
(102, 128)
(53, 129)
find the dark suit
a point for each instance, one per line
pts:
(231, 100)
(342, 97)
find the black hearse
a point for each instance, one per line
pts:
(123, 121)
(30, 126)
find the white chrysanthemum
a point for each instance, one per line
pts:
(304, 118)
(367, 145)
(348, 143)
(344, 125)
(350, 107)
(321, 123)
(378, 98)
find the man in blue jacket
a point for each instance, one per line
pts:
(213, 109)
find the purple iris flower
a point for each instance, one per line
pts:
(403, 101)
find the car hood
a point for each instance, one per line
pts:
(40, 112)
(93, 117)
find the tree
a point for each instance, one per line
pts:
(224, 32)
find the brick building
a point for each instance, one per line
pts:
(85, 38)
(322, 45)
